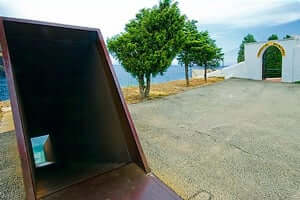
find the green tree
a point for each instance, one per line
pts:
(209, 54)
(273, 37)
(150, 43)
(241, 54)
(272, 56)
(190, 47)
(287, 37)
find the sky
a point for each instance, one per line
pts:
(228, 21)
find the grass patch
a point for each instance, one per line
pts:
(3, 104)
(132, 95)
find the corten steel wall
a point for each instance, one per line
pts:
(23, 139)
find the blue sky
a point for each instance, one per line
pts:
(230, 38)
(228, 21)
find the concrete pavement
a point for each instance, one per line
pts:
(237, 139)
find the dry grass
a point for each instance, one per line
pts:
(157, 90)
(3, 105)
(131, 94)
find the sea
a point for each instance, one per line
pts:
(174, 72)
(3, 89)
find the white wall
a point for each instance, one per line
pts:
(237, 71)
(252, 67)
(288, 61)
(254, 63)
(199, 73)
(296, 75)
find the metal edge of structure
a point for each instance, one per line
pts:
(17, 116)
(27, 168)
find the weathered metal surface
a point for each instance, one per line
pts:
(22, 145)
(63, 85)
(125, 183)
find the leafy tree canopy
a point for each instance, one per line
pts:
(273, 37)
(209, 54)
(190, 43)
(198, 48)
(150, 42)
(190, 47)
(241, 54)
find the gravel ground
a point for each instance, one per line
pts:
(238, 139)
(11, 182)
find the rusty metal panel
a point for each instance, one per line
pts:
(62, 85)
(125, 183)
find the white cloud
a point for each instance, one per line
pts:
(112, 15)
(109, 15)
(242, 12)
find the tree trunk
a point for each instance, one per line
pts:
(142, 86)
(187, 75)
(205, 73)
(147, 90)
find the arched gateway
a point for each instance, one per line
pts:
(272, 54)
(286, 67)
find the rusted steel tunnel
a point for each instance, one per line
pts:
(63, 86)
